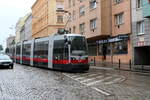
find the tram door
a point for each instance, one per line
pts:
(60, 54)
(18, 53)
(41, 54)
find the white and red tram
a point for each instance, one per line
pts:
(67, 52)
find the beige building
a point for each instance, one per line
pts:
(47, 17)
(106, 25)
(18, 29)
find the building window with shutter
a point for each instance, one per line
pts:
(140, 27)
(81, 10)
(93, 24)
(93, 4)
(117, 1)
(119, 19)
(138, 3)
(82, 28)
(59, 19)
(74, 29)
(73, 15)
(60, 6)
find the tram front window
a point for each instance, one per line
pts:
(78, 46)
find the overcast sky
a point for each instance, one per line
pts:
(10, 12)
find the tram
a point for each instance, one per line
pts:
(60, 51)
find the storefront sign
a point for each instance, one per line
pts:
(141, 43)
(114, 39)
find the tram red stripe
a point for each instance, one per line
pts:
(60, 61)
(26, 58)
(40, 60)
(72, 61)
(79, 61)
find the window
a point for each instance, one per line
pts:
(74, 15)
(117, 1)
(81, 10)
(81, 28)
(92, 49)
(93, 24)
(69, 29)
(140, 27)
(119, 19)
(69, 3)
(60, 19)
(60, 6)
(93, 4)
(26, 50)
(41, 53)
(73, 1)
(74, 29)
(104, 49)
(60, 51)
(120, 47)
(81, 0)
(139, 3)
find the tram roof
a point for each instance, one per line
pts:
(73, 34)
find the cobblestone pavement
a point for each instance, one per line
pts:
(30, 83)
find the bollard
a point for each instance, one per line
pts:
(119, 64)
(142, 68)
(94, 62)
(130, 64)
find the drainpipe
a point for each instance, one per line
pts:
(111, 46)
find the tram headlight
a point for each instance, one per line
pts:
(73, 58)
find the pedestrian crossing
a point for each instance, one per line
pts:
(90, 79)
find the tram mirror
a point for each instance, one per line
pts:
(67, 41)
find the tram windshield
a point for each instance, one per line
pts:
(78, 45)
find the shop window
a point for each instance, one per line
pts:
(92, 50)
(120, 47)
(104, 49)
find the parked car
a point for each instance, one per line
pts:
(5, 61)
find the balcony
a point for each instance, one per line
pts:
(146, 8)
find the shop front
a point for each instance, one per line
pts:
(111, 50)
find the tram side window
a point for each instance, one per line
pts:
(26, 50)
(41, 49)
(18, 50)
(60, 51)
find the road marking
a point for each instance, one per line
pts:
(90, 79)
(84, 77)
(102, 77)
(113, 81)
(101, 91)
(92, 83)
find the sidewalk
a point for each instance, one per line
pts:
(123, 67)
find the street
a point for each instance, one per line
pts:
(31, 83)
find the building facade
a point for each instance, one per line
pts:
(10, 40)
(141, 31)
(28, 27)
(20, 29)
(47, 17)
(106, 27)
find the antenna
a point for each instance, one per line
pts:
(68, 20)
